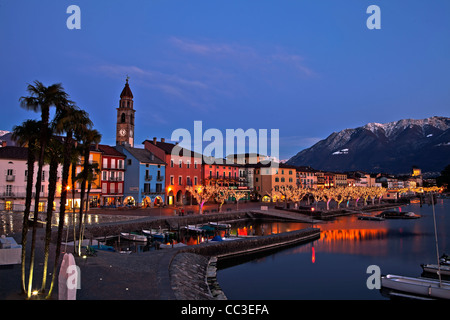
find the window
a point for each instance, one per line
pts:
(180, 163)
(171, 180)
(195, 164)
(180, 180)
(104, 188)
(105, 163)
(113, 163)
(8, 205)
(277, 179)
(282, 179)
(119, 188)
(195, 181)
(119, 176)
(129, 162)
(122, 118)
(188, 181)
(43, 175)
(188, 164)
(105, 175)
(290, 171)
(171, 163)
(120, 164)
(9, 190)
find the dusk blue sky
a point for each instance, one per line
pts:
(307, 68)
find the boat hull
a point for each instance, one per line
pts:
(433, 268)
(133, 237)
(417, 286)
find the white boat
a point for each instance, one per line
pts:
(133, 237)
(193, 228)
(220, 225)
(434, 268)
(155, 234)
(424, 287)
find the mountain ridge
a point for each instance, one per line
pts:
(392, 147)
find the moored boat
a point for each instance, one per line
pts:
(220, 225)
(133, 237)
(193, 228)
(365, 216)
(434, 268)
(423, 287)
(391, 214)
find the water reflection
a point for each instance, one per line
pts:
(334, 266)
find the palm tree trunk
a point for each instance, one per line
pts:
(36, 215)
(85, 211)
(53, 175)
(26, 214)
(62, 206)
(83, 190)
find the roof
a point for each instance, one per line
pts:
(144, 156)
(167, 148)
(126, 92)
(10, 152)
(110, 151)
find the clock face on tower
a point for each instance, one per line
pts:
(122, 132)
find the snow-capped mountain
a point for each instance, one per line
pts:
(391, 147)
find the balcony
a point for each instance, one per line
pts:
(10, 177)
(148, 178)
(160, 178)
(146, 191)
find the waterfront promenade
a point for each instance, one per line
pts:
(168, 274)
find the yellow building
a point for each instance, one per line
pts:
(267, 178)
(73, 200)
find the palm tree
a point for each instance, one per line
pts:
(27, 134)
(89, 137)
(70, 120)
(41, 98)
(93, 171)
(53, 158)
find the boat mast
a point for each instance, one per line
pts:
(436, 240)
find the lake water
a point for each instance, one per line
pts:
(335, 266)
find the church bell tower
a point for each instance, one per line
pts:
(125, 118)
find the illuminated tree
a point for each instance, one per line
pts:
(202, 194)
(328, 195)
(238, 195)
(342, 194)
(221, 194)
(318, 195)
(297, 194)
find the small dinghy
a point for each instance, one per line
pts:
(133, 237)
